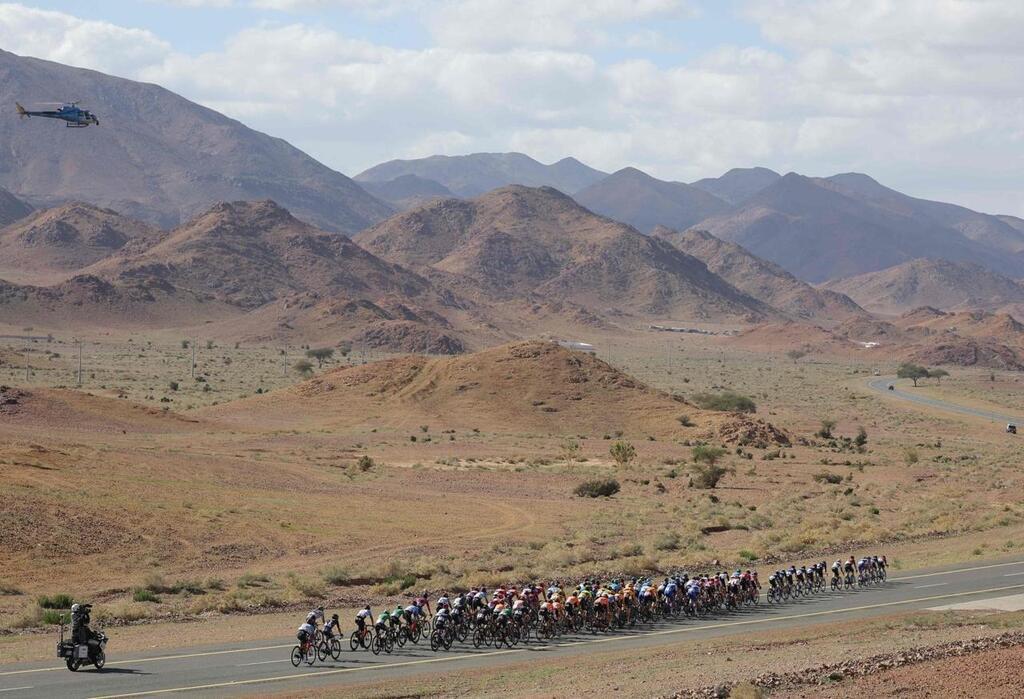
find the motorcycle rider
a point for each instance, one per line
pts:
(80, 619)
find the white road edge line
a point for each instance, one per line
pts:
(958, 570)
(13, 689)
(921, 587)
(162, 657)
(383, 666)
(1011, 575)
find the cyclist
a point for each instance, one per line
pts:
(383, 621)
(423, 603)
(331, 626)
(836, 567)
(305, 636)
(315, 616)
(364, 616)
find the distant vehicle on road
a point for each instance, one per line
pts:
(891, 387)
(1011, 428)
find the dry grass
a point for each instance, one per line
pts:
(245, 505)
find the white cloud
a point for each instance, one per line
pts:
(503, 25)
(929, 110)
(83, 43)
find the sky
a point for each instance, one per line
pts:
(927, 96)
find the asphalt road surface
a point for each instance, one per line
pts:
(882, 386)
(260, 667)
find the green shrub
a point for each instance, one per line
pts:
(748, 555)
(623, 453)
(52, 617)
(725, 402)
(143, 595)
(365, 463)
(597, 488)
(60, 601)
(706, 476)
(685, 421)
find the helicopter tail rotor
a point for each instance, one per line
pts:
(21, 111)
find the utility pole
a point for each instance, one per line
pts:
(79, 363)
(194, 357)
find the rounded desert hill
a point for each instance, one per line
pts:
(531, 386)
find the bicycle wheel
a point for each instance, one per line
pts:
(296, 656)
(353, 640)
(322, 652)
(400, 637)
(435, 641)
(388, 644)
(310, 655)
(376, 645)
(335, 648)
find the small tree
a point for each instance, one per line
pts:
(796, 354)
(320, 355)
(862, 437)
(571, 450)
(623, 453)
(937, 374)
(911, 371)
(707, 454)
(173, 385)
(304, 368)
(345, 348)
(826, 429)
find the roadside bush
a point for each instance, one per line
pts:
(685, 421)
(601, 488)
(337, 575)
(60, 601)
(828, 477)
(725, 402)
(365, 463)
(51, 617)
(910, 456)
(143, 595)
(826, 429)
(747, 555)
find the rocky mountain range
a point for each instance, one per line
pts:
(636, 198)
(939, 283)
(763, 280)
(158, 157)
(518, 242)
(12, 208)
(474, 174)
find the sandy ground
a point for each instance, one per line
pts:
(995, 674)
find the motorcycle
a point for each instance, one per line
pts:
(76, 655)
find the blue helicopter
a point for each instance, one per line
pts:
(72, 116)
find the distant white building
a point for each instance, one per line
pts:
(577, 346)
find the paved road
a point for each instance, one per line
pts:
(246, 668)
(882, 386)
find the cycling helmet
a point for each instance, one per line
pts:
(75, 608)
(334, 616)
